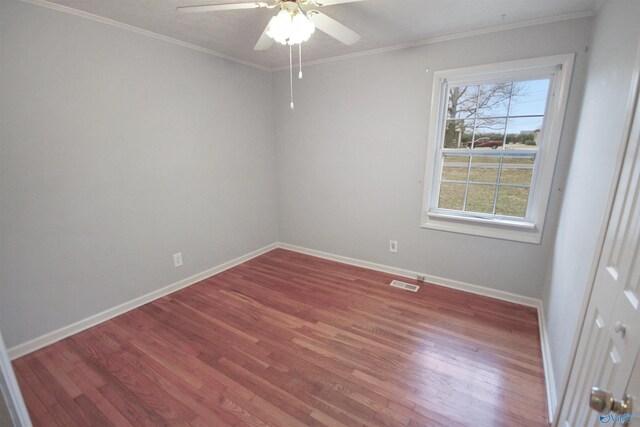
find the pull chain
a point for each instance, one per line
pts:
(300, 58)
(291, 74)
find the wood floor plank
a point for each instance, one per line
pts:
(288, 339)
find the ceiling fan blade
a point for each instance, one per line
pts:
(321, 3)
(333, 28)
(265, 42)
(220, 7)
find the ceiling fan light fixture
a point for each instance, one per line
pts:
(302, 28)
(290, 28)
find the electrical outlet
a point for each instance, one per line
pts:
(177, 259)
(393, 246)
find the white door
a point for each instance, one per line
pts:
(610, 337)
(633, 392)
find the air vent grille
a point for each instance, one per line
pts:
(404, 285)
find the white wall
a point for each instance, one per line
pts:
(616, 35)
(118, 150)
(351, 158)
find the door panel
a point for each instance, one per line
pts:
(610, 336)
(595, 340)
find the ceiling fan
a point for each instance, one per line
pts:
(294, 23)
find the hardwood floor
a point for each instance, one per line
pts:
(290, 340)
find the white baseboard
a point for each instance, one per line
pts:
(549, 379)
(468, 287)
(440, 281)
(59, 334)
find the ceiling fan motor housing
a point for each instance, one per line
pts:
(290, 6)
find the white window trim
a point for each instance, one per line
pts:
(530, 230)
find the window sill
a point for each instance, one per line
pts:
(480, 220)
(519, 231)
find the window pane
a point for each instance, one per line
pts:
(456, 159)
(489, 134)
(484, 169)
(489, 125)
(480, 198)
(493, 100)
(462, 102)
(455, 168)
(512, 201)
(451, 196)
(458, 133)
(524, 133)
(529, 98)
(517, 170)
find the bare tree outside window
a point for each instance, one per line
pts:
(488, 130)
(482, 108)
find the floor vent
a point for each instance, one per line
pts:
(404, 285)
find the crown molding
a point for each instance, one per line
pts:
(450, 37)
(118, 24)
(432, 40)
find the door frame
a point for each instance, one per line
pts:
(633, 103)
(10, 391)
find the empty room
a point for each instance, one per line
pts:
(319, 213)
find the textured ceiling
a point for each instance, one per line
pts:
(381, 23)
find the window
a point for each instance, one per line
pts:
(493, 142)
